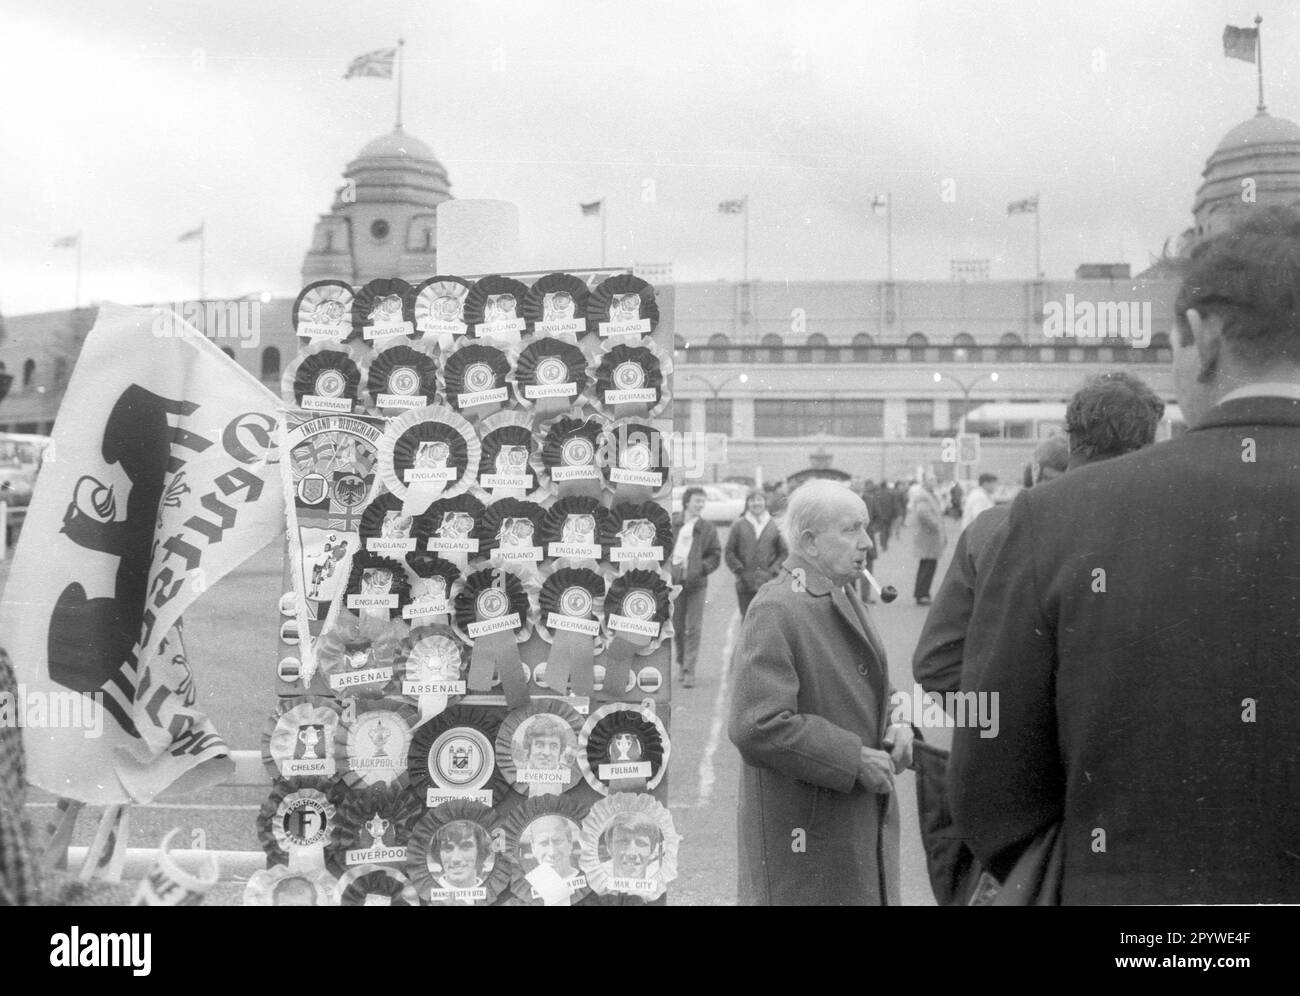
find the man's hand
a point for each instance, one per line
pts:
(875, 771)
(898, 739)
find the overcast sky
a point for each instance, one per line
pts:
(132, 121)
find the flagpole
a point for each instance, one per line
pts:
(1038, 242)
(203, 247)
(401, 42)
(1259, 61)
(889, 238)
(746, 264)
(77, 304)
(603, 215)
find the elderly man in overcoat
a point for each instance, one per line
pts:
(817, 820)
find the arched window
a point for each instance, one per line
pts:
(963, 339)
(917, 341)
(270, 363)
(817, 340)
(862, 340)
(29, 371)
(772, 341)
(1011, 339)
(719, 341)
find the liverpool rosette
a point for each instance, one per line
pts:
(374, 825)
(382, 310)
(324, 378)
(372, 740)
(623, 305)
(537, 747)
(400, 378)
(543, 837)
(453, 756)
(475, 378)
(493, 306)
(623, 748)
(323, 310)
(557, 304)
(427, 454)
(298, 739)
(456, 856)
(629, 846)
(438, 309)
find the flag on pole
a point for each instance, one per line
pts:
(1240, 43)
(67, 241)
(1028, 206)
(736, 206)
(880, 203)
(195, 233)
(167, 478)
(377, 63)
(593, 208)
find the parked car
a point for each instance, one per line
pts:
(1004, 492)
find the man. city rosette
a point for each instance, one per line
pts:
(373, 739)
(537, 747)
(427, 454)
(629, 846)
(323, 310)
(373, 826)
(457, 855)
(623, 747)
(543, 837)
(298, 739)
(453, 756)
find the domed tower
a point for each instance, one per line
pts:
(1257, 163)
(382, 222)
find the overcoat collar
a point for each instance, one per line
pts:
(817, 584)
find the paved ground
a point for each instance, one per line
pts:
(230, 636)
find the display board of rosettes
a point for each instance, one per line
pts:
(476, 626)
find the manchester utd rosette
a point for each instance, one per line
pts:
(427, 454)
(537, 747)
(284, 885)
(493, 307)
(453, 757)
(324, 377)
(374, 825)
(623, 305)
(475, 378)
(376, 885)
(457, 857)
(382, 310)
(439, 305)
(400, 378)
(556, 304)
(509, 458)
(631, 381)
(543, 837)
(572, 455)
(372, 740)
(298, 739)
(629, 846)
(295, 825)
(623, 747)
(323, 310)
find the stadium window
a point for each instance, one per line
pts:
(718, 340)
(817, 340)
(717, 415)
(920, 418)
(1011, 339)
(860, 418)
(963, 339)
(29, 371)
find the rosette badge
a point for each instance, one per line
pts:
(427, 454)
(401, 378)
(439, 307)
(623, 748)
(323, 310)
(557, 304)
(474, 378)
(630, 380)
(493, 307)
(574, 528)
(324, 378)
(623, 305)
(629, 846)
(508, 460)
(639, 462)
(381, 310)
(570, 454)
(550, 373)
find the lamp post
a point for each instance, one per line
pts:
(715, 390)
(966, 388)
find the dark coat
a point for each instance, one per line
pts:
(1164, 710)
(930, 539)
(811, 690)
(704, 558)
(754, 560)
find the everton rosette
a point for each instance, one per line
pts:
(285, 885)
(298, 739)
(427, 454)
(556, 305)
(638, 613)
(295, 825)
(475, 378)
(358, 655)
(324, 377)
(432, 664)
(374, 826)
(629, 846)
(623, 747)
(549, 374)
(372, 741)
(438, 309)
(492, 615)
(493, 308)
(623, 305)
(543, 837)
(510, 462)
(453, 757)
(631, 381)
(641, 535)
(376, 885)
(400, 378)
(570, 608)
(435, 585)
(537, 748)
(456, 856)
(638, 465)
(574, 529)
(382, 310)
(447, 529)
(323, 310)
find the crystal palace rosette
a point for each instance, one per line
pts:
(453, 757)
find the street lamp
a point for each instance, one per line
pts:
(715, 390)
(966, 388)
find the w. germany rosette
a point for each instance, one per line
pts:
(295, 825)
(623, 747)
(427, 454)
(629, 846)
(549, 374)
(641, 535)
(374, 824)
(298, 739)
(537, 747)
(623, 305)
(438, 308)
(456, 858)
(475, 378)
(493, 307)
(372, 740)
(324, 377)
(509, 458)
(431, 671)
(638, 614)
(543, 836)
(631, 381)
(323, 310)
(453, 757)
(556, 304)
(399, 378)
(382, 310)
(492, 615)
(638, 465)
(572, 454)
(570, 609)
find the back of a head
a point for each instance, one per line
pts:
(1113, 414)
(1051, 457)
(1250, 276)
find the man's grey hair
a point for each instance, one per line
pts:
(809, 509)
